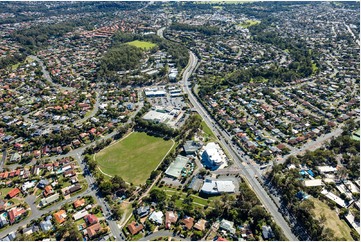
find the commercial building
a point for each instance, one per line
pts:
(190, 147)
(154, 93)
(157, 117)
(213, 156)
(215, 187)
(176, 167)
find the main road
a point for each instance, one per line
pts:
(248, 171)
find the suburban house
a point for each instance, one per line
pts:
(227, 226)
(200, 225)
(48, 200)
(143, 211)
(170, 217)
(91, 219)
(79, 203)
(14, 192)
(80, 214)
(135, 228)
(188, 222)
(60, 216)
(267, 232)
(156, 217)
(46, 225)
(15, 214)
(93, 230)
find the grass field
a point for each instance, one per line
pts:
(134, 157)
(142, 44)
(208, 131)
(338, 226)
(249, 23)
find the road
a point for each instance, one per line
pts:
(248, 171)
(36, 213)
(46, 75)
(163, 233)
(93, 111)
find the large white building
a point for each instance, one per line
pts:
(213, 156)
(217, 187)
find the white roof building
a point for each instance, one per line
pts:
(80, 214)
(213, 155)
(155, 93)
(156, 217)
(217, 187)
(50, 199)
(334, 198)
(313, 183)
(326, 169)
(27, 185)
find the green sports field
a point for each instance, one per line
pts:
(134, 157)
(142, 44)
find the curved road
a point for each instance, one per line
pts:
(46, 75)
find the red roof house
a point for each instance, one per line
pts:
(14, 192)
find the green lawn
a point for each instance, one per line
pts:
(134, 157)
(197, 201)
(333, 222)
(249, 23)
(208, 131)
(4, 192)
(142, 44)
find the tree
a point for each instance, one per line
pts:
(154, 174)
(343, 212)
(74, 234)
(117, 212)
(157, 195)
(258, 213)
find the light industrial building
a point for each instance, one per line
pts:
(154, 92)
(157, 117)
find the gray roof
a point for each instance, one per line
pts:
(46, 225)
(267, 232)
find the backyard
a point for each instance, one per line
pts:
(333, 222)
(134, 157)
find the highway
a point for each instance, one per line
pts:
(247, 170)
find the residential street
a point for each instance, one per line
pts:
(92, 190)
(162, 233)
